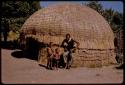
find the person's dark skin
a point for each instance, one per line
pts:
(68, 37)
(64, 45)
(50, 52)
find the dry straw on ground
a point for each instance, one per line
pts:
(83, 23)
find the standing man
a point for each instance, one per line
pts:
(68, 44)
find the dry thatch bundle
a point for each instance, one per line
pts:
(83, 23)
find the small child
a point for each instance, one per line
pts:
(56, 58)
(50, 56)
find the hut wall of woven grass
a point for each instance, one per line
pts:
(85, 25)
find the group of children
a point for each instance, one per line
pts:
(70, 45)
(52, 57)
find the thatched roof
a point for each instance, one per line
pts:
(84, 24)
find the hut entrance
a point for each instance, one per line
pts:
(32, 48)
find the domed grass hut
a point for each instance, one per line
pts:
(85, 25)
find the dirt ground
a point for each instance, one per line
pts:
(26, 71)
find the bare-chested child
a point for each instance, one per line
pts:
(50, 56)
(56, 58)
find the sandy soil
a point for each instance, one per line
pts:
(24, 70)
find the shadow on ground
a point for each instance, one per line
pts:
(23, 54)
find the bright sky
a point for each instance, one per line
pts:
(115, 5)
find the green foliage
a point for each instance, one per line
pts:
(14, 14)
(96, 6)
(115, 19)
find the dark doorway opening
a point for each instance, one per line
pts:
(32, 48)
